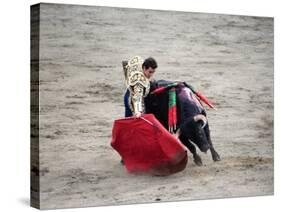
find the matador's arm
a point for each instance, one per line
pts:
(137, 83)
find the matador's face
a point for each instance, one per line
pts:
(148, 72)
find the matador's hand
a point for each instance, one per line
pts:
(138, 114)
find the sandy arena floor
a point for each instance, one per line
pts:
(228, 58)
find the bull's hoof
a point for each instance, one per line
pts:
(197, 160)
(215, 156)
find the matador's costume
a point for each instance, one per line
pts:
(138, 86)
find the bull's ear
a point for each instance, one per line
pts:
(124, 64)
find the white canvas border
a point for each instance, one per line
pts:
(15, 103)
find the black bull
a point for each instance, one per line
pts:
(192, 132)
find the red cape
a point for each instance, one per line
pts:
(146, 146)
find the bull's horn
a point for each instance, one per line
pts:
(204, 121)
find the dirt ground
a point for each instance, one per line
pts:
(228, 58)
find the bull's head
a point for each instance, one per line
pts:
(194, 130)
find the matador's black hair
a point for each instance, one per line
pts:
(149, 62)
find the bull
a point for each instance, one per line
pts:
(192, 125)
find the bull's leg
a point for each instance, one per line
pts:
(196, 158)
(215, 155)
